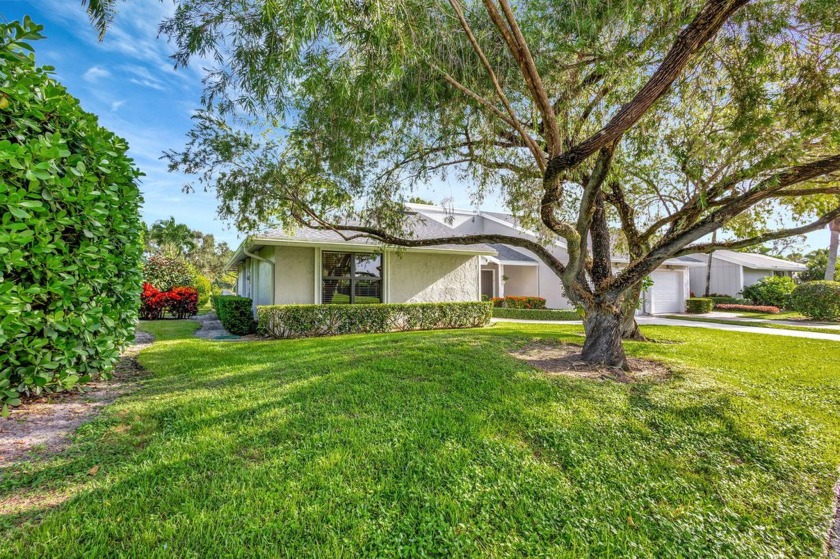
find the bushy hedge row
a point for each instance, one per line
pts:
(235, 314)
(304, 321)
(514, 302)
(70, 232)
(817, 299)
(536, 314)
(768, 309)
(727, 300)
(699, 305)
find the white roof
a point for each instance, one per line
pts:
(752, 261)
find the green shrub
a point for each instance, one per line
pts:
(536, 314)
(70, 232)
(699, 305)
(165, 272)
(771, 291)
(235, 313)
(727, 300)
(817, 299)
(204, 288)
(304, 321)
(516, 302)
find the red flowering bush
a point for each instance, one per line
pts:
(152, 302)
(181, 302)
(749, 308)
(513, 302)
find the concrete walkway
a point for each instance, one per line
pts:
(661, 321)
(730, 316)
(212, 329)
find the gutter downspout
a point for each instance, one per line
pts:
(261, 259)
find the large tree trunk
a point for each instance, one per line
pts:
(603, 346)
(629, 327)
(831, 265)
(707, 291)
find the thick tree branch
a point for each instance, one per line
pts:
(518, 47)
(763, 238)
(702, 29)
(537, 152)
(380, 235)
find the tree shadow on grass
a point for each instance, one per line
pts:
(365, 442)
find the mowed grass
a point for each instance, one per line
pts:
(439, 444)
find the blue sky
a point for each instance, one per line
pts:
(128, 80)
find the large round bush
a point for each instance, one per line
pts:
(70, 242)
(166, 272)
(771, 291)
(817, 299)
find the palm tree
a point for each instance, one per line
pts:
(830, 268)
(173, 239)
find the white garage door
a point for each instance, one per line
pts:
(666, 295)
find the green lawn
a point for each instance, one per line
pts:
(439, 444)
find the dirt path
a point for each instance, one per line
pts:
(44, 425)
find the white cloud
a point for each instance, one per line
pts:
(95, 73)
(117, 104)
(142, 76)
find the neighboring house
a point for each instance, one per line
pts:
(313, 266)
(733, 271)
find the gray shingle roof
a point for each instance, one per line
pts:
(510, 255)
(419, 226)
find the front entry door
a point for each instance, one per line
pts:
(487, 281)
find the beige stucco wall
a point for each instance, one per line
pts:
(523, 281)
(431, 278)
(294, 271)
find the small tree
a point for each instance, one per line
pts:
(164, 272)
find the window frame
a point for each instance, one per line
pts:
(353, 277)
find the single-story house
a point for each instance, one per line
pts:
(314, 266)
(733, 271)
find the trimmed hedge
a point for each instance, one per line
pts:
(514, 302)
(699, 305)
(817, 299)
(750, 308)
(306, 321)
(70, 232)
(727, 300)
(536, 314)
(235, 314)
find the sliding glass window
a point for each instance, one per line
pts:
(351, 278)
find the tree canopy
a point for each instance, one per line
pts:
(670, 120)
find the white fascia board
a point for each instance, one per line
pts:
(366, 247)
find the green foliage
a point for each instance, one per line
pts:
(536, 314)
(305, 321)
(166, 272)
(204, 288)
(235, 313)
(771, 291)
(728, 300)
(516, 302)
(699, 305)
(169, 238)
(70, 231)
(817, 299)
(816, 262)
